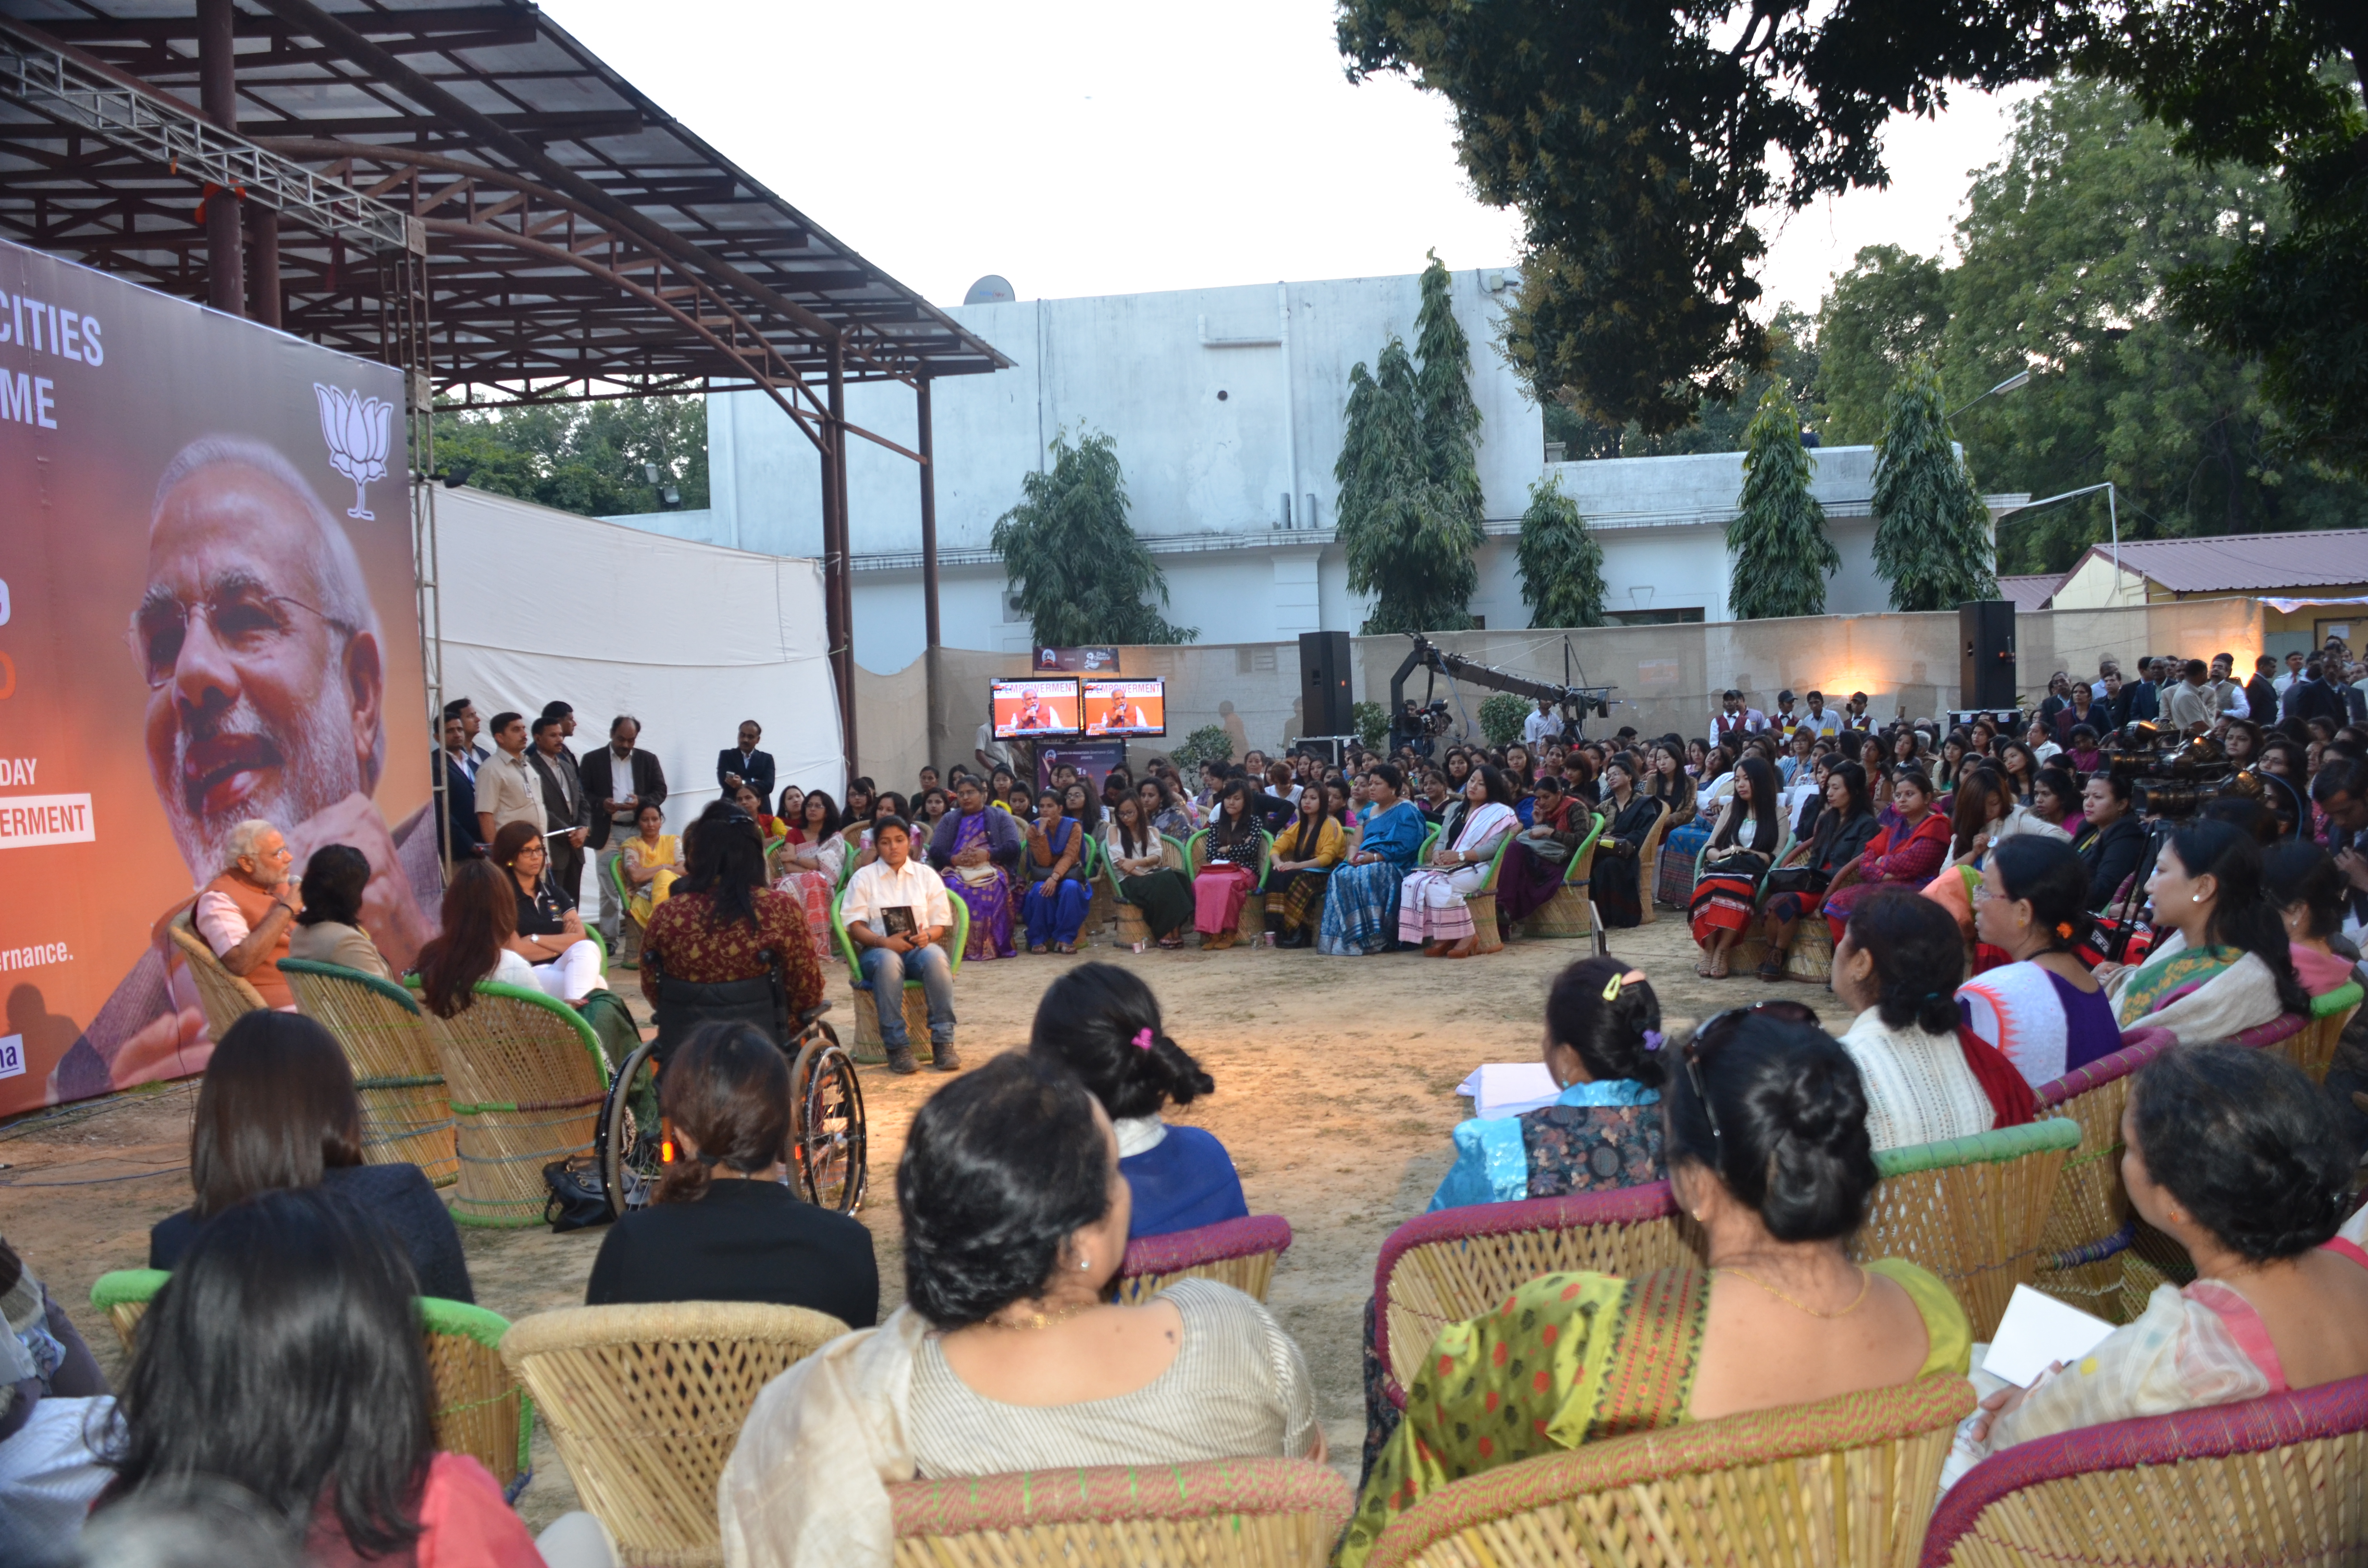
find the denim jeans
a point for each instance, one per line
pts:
(887, 970)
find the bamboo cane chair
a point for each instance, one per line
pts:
(1648, 867)
(481, 1409)
(1240, 1253)
(2313, 1050)
(1486, 938)
(1571, 912)
(1845, 1483)
(527, 1077)
(2277, 1480)
(2087, 1225)
(1809, 956)
(1455, 1264)
(629, 930)
(1250, 926)
(645, 1404)
(1245, 1513)
(869, 1049)
(225, 996)
(1132, 930)
(406, 1113)
(1970, 1211)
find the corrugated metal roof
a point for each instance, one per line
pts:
(2032, 592)
(2245, 563)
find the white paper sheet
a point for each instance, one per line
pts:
(1508, 1088)
(2037, 1331)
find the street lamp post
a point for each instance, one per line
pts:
(2019, 379)
(2113, 513)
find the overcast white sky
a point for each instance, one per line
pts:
(1117, 148)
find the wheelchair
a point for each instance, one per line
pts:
(827, 1139)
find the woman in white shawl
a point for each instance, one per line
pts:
(1432, 911)
(2220, 965)
(2239, 1158)
(1005, 1356)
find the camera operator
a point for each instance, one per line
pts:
(1407, 731)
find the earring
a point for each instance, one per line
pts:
(2195, 898)
(1085, 1263)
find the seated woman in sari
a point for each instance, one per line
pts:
(2220, 963)
(768, 826)
(1054, 864)
(808, 865)
(2239, 1158)
(1230, 854)
(1896, 970)
(1540, 851)
(1304, 852)
(1907, 853)
(1360, 907)
(1673, 881)
(977, 849)
(2042, 1008)
(1734, 864)
(1615, 887)
(1138, 859)
(1432, 907)
(1844, 827)
(1765, 1136)
(2313, 898)
(652, 861)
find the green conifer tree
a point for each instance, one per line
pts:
(1402, 543)
(1443, 392)
(1781, 554)
(1082, 573)
(1931, 531)
(1561, 560)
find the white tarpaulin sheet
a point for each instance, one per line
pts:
(690, 639)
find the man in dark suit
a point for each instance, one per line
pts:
(2313, 697)
(2261, 693)
(618, 780)
(566, 717)
(457, 837)
(746, 766)
(564, 805)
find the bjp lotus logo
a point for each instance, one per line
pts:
(357, 430)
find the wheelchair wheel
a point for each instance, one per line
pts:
(631, 1140)
(830, 1145)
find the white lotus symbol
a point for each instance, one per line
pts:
(357, 430)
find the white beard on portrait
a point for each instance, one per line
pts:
(316, 766)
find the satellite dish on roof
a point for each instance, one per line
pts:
(990, 290)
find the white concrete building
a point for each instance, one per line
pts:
(1227, 406)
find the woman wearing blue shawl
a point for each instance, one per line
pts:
(1360, 910)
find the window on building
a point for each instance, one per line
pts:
(1654, 617)
(1253, 659)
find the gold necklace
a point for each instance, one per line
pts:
(1866, 1283)
(1042, 1320)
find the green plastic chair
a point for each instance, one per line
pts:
(1251, 925)
(406, 1113)
(869, 1049)
(482, 1409)
(527, 1076)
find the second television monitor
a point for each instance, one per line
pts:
(1124, 708)
(1027, 709)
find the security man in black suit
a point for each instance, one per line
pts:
(746, 766)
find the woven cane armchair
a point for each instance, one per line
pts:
(2313, 1050)
(1844, 1483)
(2088, 1224)
(2277, 1480)
(647, 1402)
(481, 1409)
(1459, 1263)
(1571, 910)
(527, 1077)
(1132, 927)
(1648, 866)
(1241, 1252)
(1971, 1211)
(1246, 1513)
(406, 1115)
(1250, 926)
(225, 996)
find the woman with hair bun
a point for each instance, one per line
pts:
(1603, 1047)
(1102, 1023)
(1008, 1354)
(724, 1225)
(2239, 1158)
(2044, 1009)
(1765, 1128)
(2220, 963)
(1897, 967)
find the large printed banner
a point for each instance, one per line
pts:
(206, 616)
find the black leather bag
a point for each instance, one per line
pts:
(579, 1198)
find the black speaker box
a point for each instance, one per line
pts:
(1324, 690)
(1986, 671)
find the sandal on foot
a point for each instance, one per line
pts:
(1771, 970)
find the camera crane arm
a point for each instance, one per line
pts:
(1572, 701)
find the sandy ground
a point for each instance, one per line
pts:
(1335, 1086)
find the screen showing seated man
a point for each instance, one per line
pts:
(1030, 708)
(1126, 707)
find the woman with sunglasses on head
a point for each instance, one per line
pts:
(1765, 1126)
(1897, 967)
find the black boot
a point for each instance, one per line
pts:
(900, 1060)
(944, 1058)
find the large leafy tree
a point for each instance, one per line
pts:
(1778, 537)
(1083, 574)
(1719, 424)
(1888, 308)
(1442, 390)
(1561, 561)
(1641, 140)
(588, 458)
(1405, 542)
(1931, 531)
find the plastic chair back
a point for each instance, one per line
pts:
(1241, 1252)
(1245, 1513)
(407, 1114)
